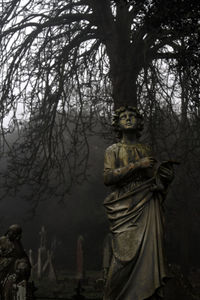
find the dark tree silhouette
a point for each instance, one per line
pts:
(65, 63)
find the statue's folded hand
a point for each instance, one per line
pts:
(146, 162)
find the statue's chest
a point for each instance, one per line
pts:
(126, 155)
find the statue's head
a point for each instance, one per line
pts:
(14, 232)
(22, 268)
(127, 118)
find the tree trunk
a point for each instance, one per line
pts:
(124, 88)
(124, 70)
(124, 59)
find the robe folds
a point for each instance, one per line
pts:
(134, 208)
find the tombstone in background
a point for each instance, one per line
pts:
(42, 251)
(39, 264)
(52, 273)
(30, 255)
(44, 264)
(48, 267)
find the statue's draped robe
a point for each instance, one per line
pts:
(138, 269)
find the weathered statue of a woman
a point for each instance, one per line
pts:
(138, 269)
(14, 263)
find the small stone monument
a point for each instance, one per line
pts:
(21, 293)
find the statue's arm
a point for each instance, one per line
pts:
(113, 176)
(166, 173)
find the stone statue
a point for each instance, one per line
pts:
(14, 263)
(138, 182)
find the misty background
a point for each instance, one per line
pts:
(81, 211)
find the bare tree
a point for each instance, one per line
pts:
(65, 63)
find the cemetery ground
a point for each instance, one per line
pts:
(53, 282)
(65, 286)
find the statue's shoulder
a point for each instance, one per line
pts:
(113, 147)
(4, 243)
(144, 147)
(3, 240)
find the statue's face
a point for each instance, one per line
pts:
(14, 236)
(127, 120)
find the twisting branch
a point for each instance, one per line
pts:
(65, 63)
